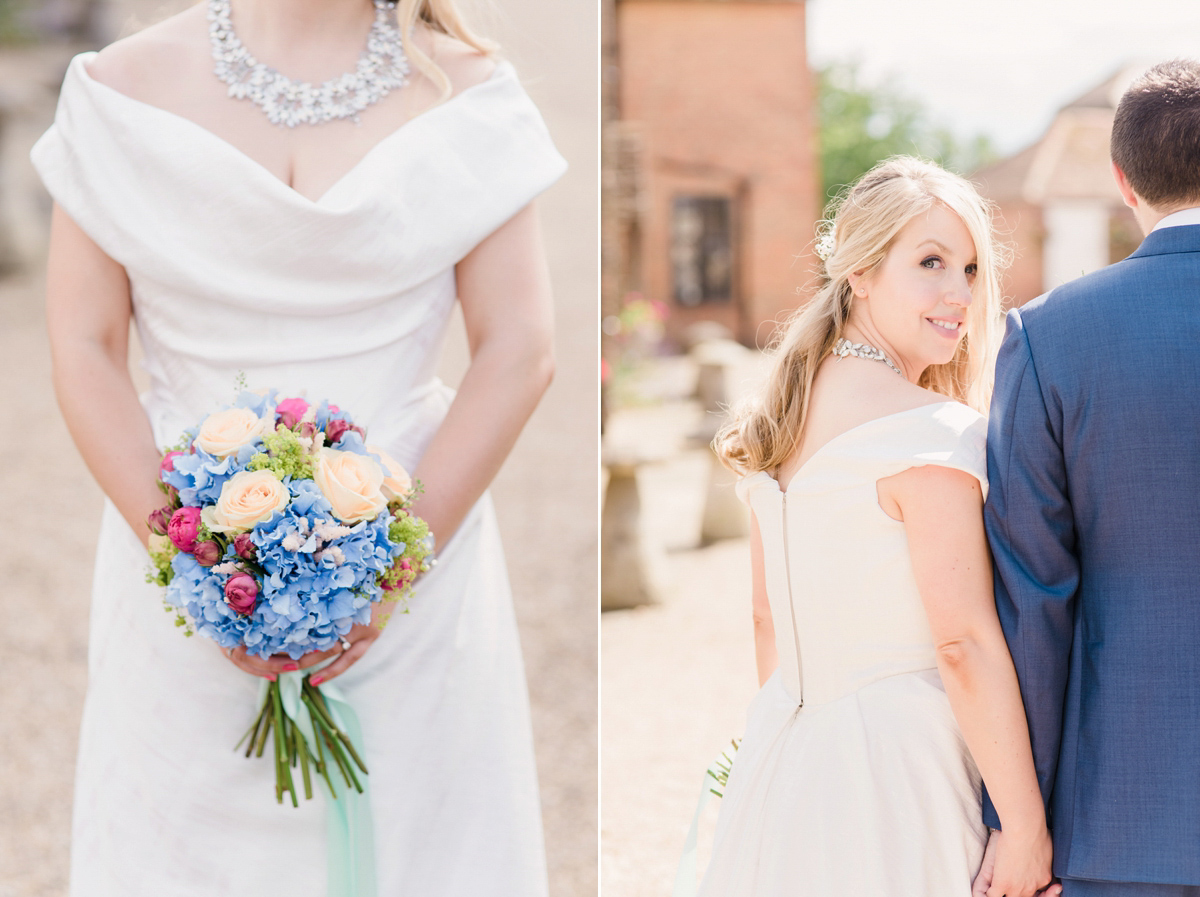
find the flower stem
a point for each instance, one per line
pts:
(303, 751)
(252, 732)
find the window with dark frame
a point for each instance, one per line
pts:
(702, 249)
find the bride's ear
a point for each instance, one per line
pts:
(858, 284)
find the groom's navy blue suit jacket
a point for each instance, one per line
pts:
(1093, 516)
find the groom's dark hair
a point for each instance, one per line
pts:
(1156, 134)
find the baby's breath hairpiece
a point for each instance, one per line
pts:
(825, 246)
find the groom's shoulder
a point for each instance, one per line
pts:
(1095, 296)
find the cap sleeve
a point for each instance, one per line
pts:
(951, 435)
(79, 173)
(504, 151)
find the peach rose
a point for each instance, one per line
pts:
(224, 432)
(352, 483)
(247, 498)
(396, 481)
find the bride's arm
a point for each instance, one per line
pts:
(504, 289)
(88, 311)
(765, 656)
(942, 511)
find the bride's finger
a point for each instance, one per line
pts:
(315, 657)
(248, 663)
(343, 663)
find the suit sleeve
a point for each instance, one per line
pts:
(1031, 529)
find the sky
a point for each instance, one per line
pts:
(998, 67)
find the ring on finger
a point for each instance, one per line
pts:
(345, 642)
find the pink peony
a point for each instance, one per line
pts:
(183, 528)
(244, 546)
(241, 592)
(168, 461)
(207, 553)
(159, 520)
(289, 411)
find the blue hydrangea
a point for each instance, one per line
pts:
(304, 603)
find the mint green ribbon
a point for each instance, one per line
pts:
(685, 877)
(350, 836)
(716, 776)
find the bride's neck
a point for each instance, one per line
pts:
(274, 27)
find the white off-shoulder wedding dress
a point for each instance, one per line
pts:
(346, 298)
(853, 777)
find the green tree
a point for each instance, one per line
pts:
(13, 29)
(859, 125)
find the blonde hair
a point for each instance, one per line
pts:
(444, 17)
(766, 429)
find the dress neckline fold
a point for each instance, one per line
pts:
(502, 71)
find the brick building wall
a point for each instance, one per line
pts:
(720, 93)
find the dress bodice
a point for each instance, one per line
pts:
(232, 271)
(844, 601)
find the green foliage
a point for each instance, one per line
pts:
(285, 456)
(860, 125)
(13, 28)
(162, 550)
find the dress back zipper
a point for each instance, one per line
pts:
(787, 566)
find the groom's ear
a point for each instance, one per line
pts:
(1131, 199)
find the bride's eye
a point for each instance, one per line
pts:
(972, 269)
(931, 262)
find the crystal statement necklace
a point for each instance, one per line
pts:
(382, 68)
(844, 347)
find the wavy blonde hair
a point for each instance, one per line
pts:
(765, 430)
(444, 17)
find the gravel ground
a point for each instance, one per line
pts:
(546, 496)
(676, 676)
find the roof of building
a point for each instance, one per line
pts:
(1071, 159)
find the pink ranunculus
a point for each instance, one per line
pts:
(308, 429)
(289, 411)
(207, 553)
(244, 545)
(183, 528)
(334, 430)
(241, 592)
(159, 520)
(168, 461)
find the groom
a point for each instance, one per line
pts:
(1094, 521)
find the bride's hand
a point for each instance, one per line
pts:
(360, 638)
(1022, 865)
(987, 868)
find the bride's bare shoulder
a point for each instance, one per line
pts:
(463, 64)
(140, 64)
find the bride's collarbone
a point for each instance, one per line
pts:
(308, 159)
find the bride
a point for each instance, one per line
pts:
(315, 242)
(887, 687)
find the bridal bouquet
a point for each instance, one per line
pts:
(281, 530)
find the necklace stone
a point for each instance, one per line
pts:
(382, 68)
(844, 347)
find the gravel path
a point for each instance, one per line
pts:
(546, 497)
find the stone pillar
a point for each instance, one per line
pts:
(1076, 240)
(632, 567)
(718, 363)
